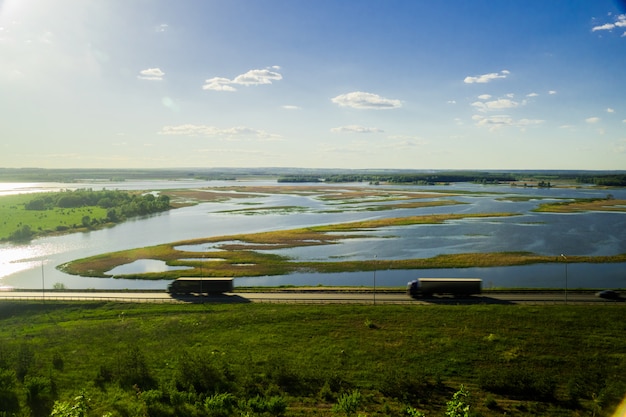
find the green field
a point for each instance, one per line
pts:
(299, 360)
(14, 216)
(27, 216)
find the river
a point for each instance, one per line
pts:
(33, 265)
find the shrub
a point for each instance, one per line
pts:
(220, 405)
(202, 372)
(22, 234)
(458, 406)
(9, 402)
(348, 403)
(274, 405)
(133, 369)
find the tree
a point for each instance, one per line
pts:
(22, 234)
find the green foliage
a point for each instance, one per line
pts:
(26, 216)
(459, 405)
(132, 369)
(202, 372)
(192, 360)
(9, 401)
(220, 405)
(274, 405)
(348, 402)
(78, 408)
(24, 233)
(414, 412)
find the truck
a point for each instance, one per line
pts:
(457, 287)
(200, 285)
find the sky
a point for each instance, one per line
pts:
(359, 84)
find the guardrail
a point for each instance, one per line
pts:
(241, 298)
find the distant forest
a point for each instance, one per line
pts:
(298, 175)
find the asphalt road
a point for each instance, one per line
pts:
(317, 297)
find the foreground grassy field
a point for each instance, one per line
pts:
(295, 360)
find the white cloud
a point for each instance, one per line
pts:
(532, 95)
(484, 96)
(362, 100)
(499, 121)
(257, 77)
(218, 84)
(552, 92)
(252, 77)
(592, 120)
(162, 27)
(212, 131)
(620, 22)
(606, 26)
(405, 141)
(291, 107)
(485, 78)
(495, 105)
(610, 110)
(355, 129)
(154, 74)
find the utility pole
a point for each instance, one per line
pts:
(565, 259)
(43, 285)
(375, 266)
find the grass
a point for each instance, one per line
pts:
(580, 205)
(13, 215)
(140, 359)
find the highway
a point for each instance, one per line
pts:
(316, 297)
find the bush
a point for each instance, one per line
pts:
(274, 405)
(459, 406)
(133, 370)
(348, 403)
(220, 405)
(9, 402)
(202, 372)
(22, 234)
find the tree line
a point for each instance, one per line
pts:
(120, 204)
(405, 178)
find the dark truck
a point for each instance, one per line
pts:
(201, 286)
(457, 287)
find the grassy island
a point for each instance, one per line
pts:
(243, 254)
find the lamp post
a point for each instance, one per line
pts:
(375, 264)
(43, 285)
(565, 259)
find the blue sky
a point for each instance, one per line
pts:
(482, 84)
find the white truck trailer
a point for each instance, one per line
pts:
(197, 285)
(457, 287)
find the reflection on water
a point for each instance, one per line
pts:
(528, 276)
(144, 266)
